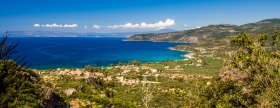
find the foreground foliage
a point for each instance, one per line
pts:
(18, 85)
(21, 87)
(249, 78)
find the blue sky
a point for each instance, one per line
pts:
(130, 15)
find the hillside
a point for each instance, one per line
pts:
(196, 34)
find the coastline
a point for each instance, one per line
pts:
(189, 54)
(156, 41)
(137, 40)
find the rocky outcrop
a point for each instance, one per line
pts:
(69, 91)
(232, 73)
(52, 100)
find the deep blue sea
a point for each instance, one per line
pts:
(76, 52)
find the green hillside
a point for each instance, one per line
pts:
(196, 34)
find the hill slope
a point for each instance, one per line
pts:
(194, 35)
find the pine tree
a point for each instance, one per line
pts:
(18, 85)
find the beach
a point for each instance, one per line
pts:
(189, 54)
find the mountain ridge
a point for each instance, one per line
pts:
(194, 35)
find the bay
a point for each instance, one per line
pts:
(76, 52)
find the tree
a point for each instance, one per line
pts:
(120, 63)
(18, 85)
(147, 90)
(136, 63)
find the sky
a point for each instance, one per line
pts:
(107, 16)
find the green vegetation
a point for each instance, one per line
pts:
(19, 87)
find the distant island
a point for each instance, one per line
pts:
(77, 34)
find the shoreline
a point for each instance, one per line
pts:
(156, 41)
(189, 54)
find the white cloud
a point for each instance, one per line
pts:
(159, 25)
(69, 25)
(56, 25)
(196, 27)
(129, 25)
(185, 25)
(96, 26)
(110, 27)
(115, 26)
(52, 25)
(36, 25)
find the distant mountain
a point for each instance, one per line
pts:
(196, 34)
(75, 34)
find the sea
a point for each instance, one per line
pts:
(77, 52)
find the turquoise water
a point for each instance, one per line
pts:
(76, 52)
